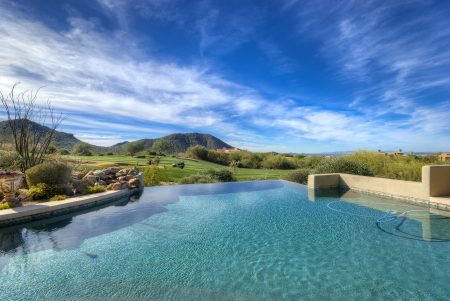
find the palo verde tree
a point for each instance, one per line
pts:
(26, 119)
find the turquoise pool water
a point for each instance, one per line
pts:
(238, 241)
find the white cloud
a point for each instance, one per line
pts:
(110, 87)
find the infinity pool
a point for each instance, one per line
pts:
(266, 240)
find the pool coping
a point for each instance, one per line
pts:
(25, 214)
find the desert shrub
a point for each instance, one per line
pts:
(140, 157)
(109, 154)
(94, 189)
(134, 147)
(6, 205)
(198, 152)
(64, 152)
(9, 160)
(308, 162)
(58, 197)
(246, 159)
(343, 165)
(51, 173)
(298, 176)
(210, 176)
(218, 157)
(101, 155)
(151, 176)
(198, 179)
(82, 149)
(278, 162)
(156, 161)
(43, 191)
(222, 175)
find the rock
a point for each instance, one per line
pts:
(81, 187)
(101, 174)
(75, 182)
(133, 183)
(100, 183)
(78, 175)
(129, 177)
(114, 186)
(24, 195)
(90, 179)
(111, 170)
(65, 189)
(122, 178)
(121, 173)
(124, 185)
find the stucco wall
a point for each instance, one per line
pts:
(386, 186)
(435, 183)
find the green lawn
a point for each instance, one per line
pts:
(166, 173)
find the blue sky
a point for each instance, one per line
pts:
(300, 76)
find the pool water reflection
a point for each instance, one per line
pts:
(234, 241)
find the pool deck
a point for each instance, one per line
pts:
(48, 209)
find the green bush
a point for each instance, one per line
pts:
(278, 162)
(9, 160)
(50, 173)
(343, 165)
(58, 197)
(308, 162)
(198, 152)
(298, 176)
(151, 176)
(210, 176)
(64, 152)
(221, 175)
(42, 191)
(94, 189)
(6, 205)
(198, 179)
(110, 154)
(82, 149)
(140, 157)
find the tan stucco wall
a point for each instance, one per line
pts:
(436, 179)
(323, 181)
(387, 186)
(435, 185)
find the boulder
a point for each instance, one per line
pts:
(78, 175)
(121, 173)
(124, 185)
(114, 186)
(111, 170)
(90, 179)
(122, 178)
(100, 183)
(133, 183)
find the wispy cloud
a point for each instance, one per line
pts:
(115, 91)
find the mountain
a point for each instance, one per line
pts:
(181, 142)
(62, 140)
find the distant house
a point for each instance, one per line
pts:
(392, 154)
(227, 150)
(444, 156)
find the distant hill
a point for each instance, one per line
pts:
(181, 142)
(62, 140)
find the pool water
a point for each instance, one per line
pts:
(266, 240)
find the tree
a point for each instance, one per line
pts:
(134, 147)
(163, 146)
(23, 113)
(82, 149)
